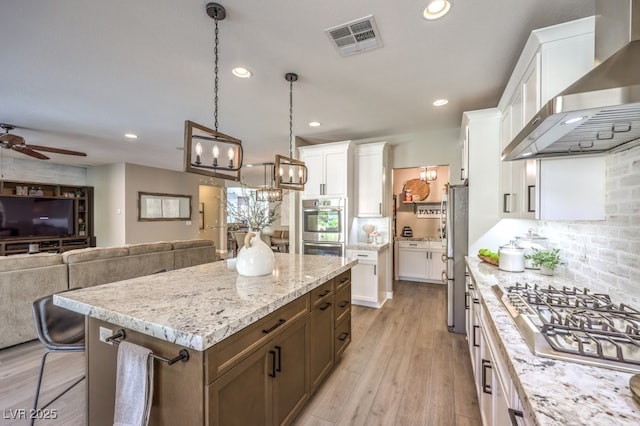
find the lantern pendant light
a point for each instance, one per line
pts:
(267, 192)
(202, 145)
(290, 173)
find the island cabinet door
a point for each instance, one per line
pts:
(321, 341)
(290, 386)
(269, 387)
(242, 395)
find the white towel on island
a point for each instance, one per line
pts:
(134, 385)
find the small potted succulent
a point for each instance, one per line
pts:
(547, 260)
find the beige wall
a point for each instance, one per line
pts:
(109, 204)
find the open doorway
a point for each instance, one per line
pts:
(211, 216)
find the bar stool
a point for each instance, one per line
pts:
(59, 330)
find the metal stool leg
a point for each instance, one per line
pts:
(35, 402)
(38, 386)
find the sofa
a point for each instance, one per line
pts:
(24, 278)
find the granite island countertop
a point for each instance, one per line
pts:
(199, 306)
(552, 392)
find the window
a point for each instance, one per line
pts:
(158, 207)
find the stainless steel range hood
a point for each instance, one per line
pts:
(601, 111)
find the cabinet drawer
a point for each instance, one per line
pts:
(232, 350)
(342, 336)
(321, 294)
(363, 256)
(415, 245)
(342, 280)
(343, 303)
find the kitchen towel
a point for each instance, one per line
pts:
(134, 385)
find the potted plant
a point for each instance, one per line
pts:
(547, 260)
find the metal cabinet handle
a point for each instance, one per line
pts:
(506, 203)
(444, 257)
(513, 414)
(380, 208)
(343, 336)
(476, 300)
(413, 245)
(344, 304)
(470, 286)
(475, 343)
(269, 330)
(466, 300)
(486, 387)
(444, 277)
(325, 306)
(375, 269)
(279, 367)
(324, 293)
(272, 373)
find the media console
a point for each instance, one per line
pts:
(44, 217)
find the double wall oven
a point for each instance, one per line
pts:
(323, 226)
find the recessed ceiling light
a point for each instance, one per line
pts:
(436, 9)
(241, 72)
(314, 123)
(130, 136)
(440, 102)
(248, 165)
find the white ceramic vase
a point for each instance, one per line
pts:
(546, 271)
(255, 258)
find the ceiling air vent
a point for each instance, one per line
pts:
(355, 36)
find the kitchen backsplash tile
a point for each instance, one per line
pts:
(381, 225)
(605, 254)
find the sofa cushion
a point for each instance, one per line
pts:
(93, 253)
(28, 261)
(185, 244)
(145, 248)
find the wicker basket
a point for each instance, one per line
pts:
(489, 260)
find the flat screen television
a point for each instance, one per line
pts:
(36, 217)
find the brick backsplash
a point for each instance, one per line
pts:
(605, 255)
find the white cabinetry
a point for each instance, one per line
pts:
(497, 397)
(368, 277)
(372, 180)
(553, 58)
(329, 169)
(420, 261)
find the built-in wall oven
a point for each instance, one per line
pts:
(323, 226)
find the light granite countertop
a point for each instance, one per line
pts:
(367, 246)
(199, 306)
(552, 392)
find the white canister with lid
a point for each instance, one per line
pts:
(511, 258)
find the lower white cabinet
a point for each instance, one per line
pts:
(368, 278)
(420, 261)
(497, 398)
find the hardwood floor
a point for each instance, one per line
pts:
(403, 368)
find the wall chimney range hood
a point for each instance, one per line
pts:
(601, 111)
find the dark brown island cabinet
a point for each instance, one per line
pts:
(261, 375)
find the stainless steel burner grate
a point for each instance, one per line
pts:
(575, 324)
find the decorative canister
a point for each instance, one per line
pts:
(511, 258)
(255, 258)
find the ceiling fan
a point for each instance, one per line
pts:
(17, 143)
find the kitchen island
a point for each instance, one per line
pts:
(263, 343)
(549, 391)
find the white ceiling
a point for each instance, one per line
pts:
(78, 74)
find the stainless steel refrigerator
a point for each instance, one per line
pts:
(457, 232)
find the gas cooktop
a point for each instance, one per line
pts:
(575, 324)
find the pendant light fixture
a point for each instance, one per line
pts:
(208, 151)
(290, 173)
(267, 192)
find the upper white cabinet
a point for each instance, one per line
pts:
(329, 169)
(553, 58)
(372, 180)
